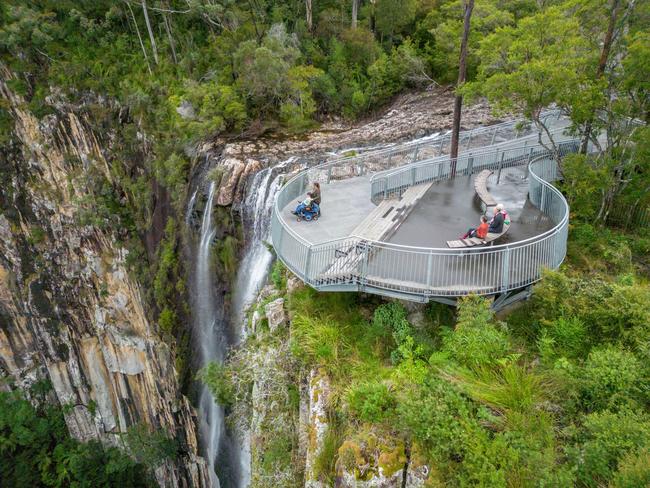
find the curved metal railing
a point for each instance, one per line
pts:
(355, 263)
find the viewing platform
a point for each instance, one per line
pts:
(387, 216)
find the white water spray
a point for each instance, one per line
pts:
(211, 338)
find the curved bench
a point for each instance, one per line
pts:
(475, 241)
(480, 187)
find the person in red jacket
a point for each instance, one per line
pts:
(480, 231)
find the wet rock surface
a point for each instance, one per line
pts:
(410, 116)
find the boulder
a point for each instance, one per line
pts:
(275, 314)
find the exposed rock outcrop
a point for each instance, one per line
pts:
(275, 314)
(69, 311)
(317, 424)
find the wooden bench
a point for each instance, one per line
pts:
(475, 241)
(480, 187)
(379, 225)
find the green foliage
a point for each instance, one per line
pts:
(36, 450)
(610, 377)
(392, 317)
(166, 284)
(633, 470)
(605, 439)
(279, 275)
(476, 340)
(325, 462)
(218, 379)
(563, 337)
(371, 402)
(149, 447)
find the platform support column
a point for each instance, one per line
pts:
(307, 265)
(500, 167)
(505, 270)
(429, 269)
(470, 165)
(415, 153)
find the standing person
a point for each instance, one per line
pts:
(314, 194)
(480, 231)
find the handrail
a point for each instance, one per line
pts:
(465, 136)
(385, 266)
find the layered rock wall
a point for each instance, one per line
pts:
(70, 312)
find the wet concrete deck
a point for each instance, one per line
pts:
(450, 207)
(344, 205)
(447, 210)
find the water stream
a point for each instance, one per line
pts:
(228, 453)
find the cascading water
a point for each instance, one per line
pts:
(254, 266)
(211, 341)
(229, 452)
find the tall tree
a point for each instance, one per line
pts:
(355, 12)
(614, 12)
(154, 49)
(462, 72)
(308, 11)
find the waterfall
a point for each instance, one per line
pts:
(211, 340)
(229, 451)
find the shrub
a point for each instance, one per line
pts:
(218, 379)
(278, 275)
(633, 470)
(392, 316)
(438, 417)
(371, 402)
(605, 440)
(610, 377)
(476, 341)
(563, 337)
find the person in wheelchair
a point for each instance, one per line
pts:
(310, 207)
(307, 209)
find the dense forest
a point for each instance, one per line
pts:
(555, 392)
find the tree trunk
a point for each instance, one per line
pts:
(309, 15)
(355, 13)
(137, 31)
(462, 72)
(172, 44)
(154, 49)
(602, 64)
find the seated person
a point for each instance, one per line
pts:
(312, 196)
(308, 208)
(480, 231)
(496, 224)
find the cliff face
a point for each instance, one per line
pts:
(69, 311)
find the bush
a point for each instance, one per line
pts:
(563, 337)
(605, 440)
(392, 316)
(633, 470)
(438, 418)
(476, 341)
(611, 377)
(218, 379)
(371, 402)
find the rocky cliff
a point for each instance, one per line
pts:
(70, 312)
